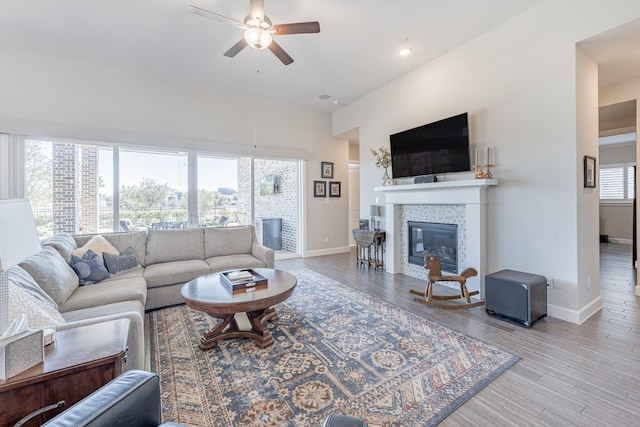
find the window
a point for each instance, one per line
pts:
(94, 187)
(153, 189)
(66, 183)
(617, 183)
(218, 191)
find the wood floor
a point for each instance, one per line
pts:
(582, 375)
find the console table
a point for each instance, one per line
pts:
(77, 363)
(369, 247)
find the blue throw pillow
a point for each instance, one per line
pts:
(89, 268)
(117, 264)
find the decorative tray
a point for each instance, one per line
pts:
(243, 280)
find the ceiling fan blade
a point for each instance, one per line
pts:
(215, 16)
(257, 9)
(236, 48)
(297, 28)
(280, 53)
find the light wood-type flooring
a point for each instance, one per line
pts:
(582, 375)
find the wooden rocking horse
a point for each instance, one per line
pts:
(432, 263)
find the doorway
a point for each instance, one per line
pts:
(617, 180)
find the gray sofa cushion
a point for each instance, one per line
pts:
(134, 239)
(20, 277)
(89, 268)
(121, 241)
(119, 264)
(96, 244)
(175, 245)
(227, 241)
(63, 243)
(52, 273)
(169, 273)
(136, 272)
(231, 262)
(106, 292)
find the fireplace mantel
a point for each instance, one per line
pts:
(471, 193)
(438, 193)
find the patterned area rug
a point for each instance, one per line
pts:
(336, 350)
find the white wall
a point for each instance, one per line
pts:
(59, 97)
(532, 96)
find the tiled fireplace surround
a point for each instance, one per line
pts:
(451, 202)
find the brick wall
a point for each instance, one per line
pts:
(89, 192)
(65, 214)
(283, 204)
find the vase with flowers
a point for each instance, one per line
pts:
(382, 157)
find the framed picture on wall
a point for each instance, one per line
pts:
(589, 172)
(334, 189)
(319, 189)
(327, 170)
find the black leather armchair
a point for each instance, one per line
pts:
(133, 400)
(339, 420)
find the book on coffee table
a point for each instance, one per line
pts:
(241, 281)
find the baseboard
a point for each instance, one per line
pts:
(329, 251)
(619, 240)
(575, 316)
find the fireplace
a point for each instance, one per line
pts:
(427, 238)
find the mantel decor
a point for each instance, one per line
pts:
(382, 157)
(589, 172)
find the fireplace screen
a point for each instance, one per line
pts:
(426, 238)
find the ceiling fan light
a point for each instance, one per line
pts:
(258, 38)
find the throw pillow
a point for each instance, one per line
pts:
(20, 277)
(38, 313)
(99, 245)
(63, 243)
(89, 268)
(121, 263)
(52, 273)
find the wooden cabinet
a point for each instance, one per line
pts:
(80, 361)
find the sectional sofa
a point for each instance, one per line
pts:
(158, 263)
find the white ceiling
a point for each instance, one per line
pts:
(617, 53)
(355, 52)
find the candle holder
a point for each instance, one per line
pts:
(479, 173)
(487, 174)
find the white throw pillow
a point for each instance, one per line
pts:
(38, 313)
(99, 245)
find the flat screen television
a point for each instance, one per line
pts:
(434, 148)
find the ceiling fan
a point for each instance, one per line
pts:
(259, 31)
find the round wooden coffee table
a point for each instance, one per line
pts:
(207, 294)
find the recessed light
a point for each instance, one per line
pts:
(324, 96)
(405, 48)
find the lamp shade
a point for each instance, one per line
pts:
(257, 38)
(374, 210)
(18, 234)
(18, 240)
